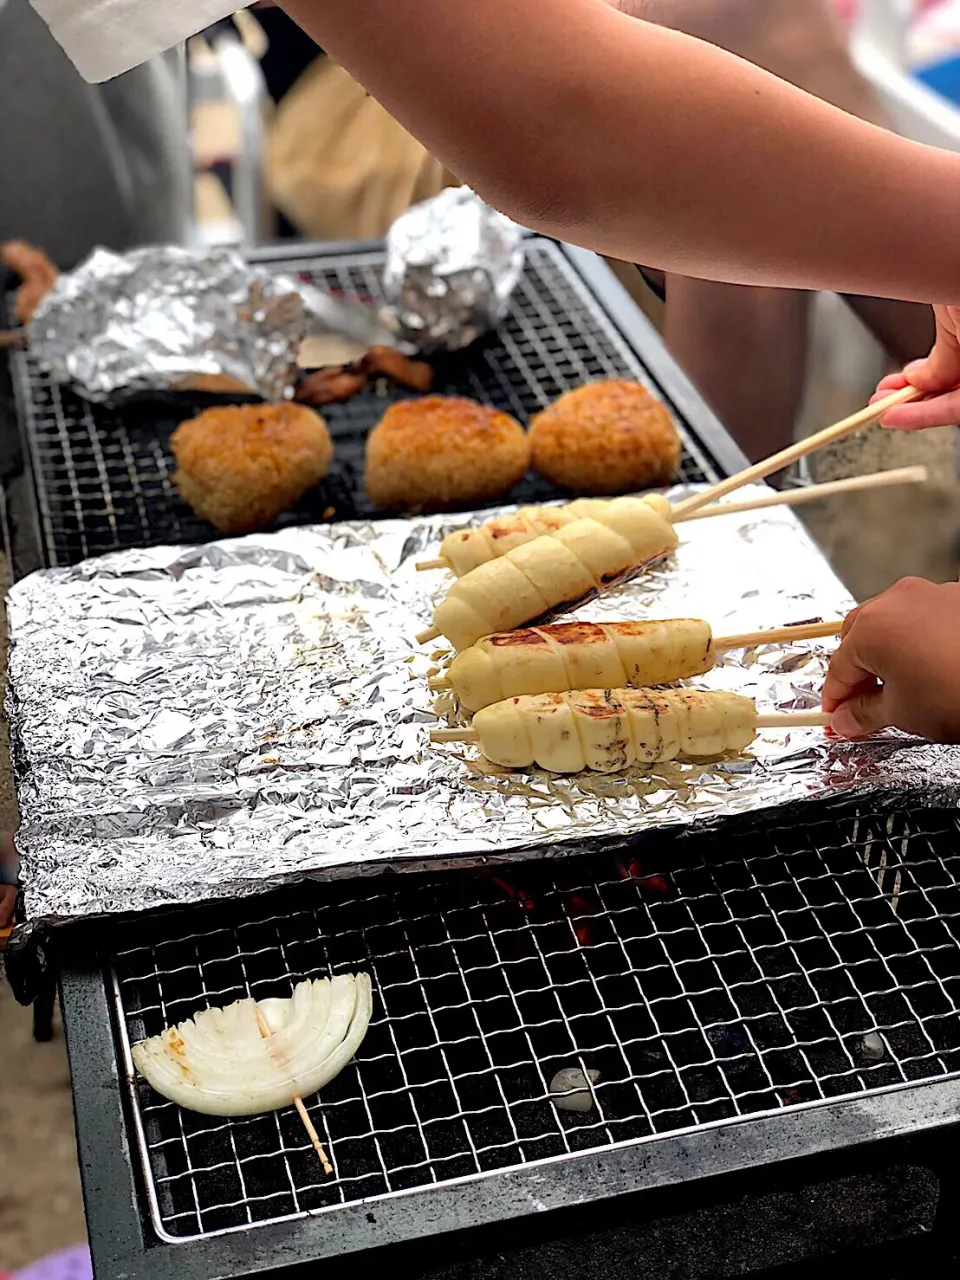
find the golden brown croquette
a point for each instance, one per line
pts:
(239, 466)
(605, 438)
(442, 452)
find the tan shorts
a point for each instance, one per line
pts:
(338, 166)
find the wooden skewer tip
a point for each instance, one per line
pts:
(425, 637)
(439, 684)
(441, 562)
(454, 735)
(298, 1103)
(313, 1136)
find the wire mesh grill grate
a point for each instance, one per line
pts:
(796, 967)
(104, 479)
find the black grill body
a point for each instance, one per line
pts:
(773, 1015)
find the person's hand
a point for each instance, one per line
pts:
(937, 376)
(898, 664)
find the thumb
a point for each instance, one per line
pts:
(940, 370)
(861, 715)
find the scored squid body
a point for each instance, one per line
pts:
(611, 729)
(221, 1064)
(580, 655)
(468, 548)
(554, 571)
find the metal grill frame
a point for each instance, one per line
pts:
(721, 985)
(125, 1240)
(48, 521)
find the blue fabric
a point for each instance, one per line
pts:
(942, 77)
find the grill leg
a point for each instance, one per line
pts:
(43, 1010)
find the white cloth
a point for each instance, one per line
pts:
(104, 38)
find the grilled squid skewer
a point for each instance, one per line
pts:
(591, 655)
(551, 572)
(466, 548)
(607, 730)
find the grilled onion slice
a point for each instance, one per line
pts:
(219, 1062)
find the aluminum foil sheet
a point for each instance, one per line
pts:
(168, 318)
(207, 722)
(452, 264)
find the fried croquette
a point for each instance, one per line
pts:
(36, 271)
(442, 452)
(605, 438)
(241, 465)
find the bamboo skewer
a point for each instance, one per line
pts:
(431, 633)
(814, 492)
(749, 640)
(801, 719)
(780, 635)
(298, 1103)
(793, 452)
(786, 498)
(775, 720)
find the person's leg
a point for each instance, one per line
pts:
(905, 330)
(746, 352)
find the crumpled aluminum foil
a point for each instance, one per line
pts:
(157, 319)
(207, 722)
(452, 264)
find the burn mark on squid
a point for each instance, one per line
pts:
(633, 628)
(576, 633)
(505, 528)
(595, 703)
(516, 639)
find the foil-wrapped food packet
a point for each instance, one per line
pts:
(452, 265)
(168, 318)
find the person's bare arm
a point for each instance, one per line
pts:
(712, 327)
(650, 146)
(805, 43)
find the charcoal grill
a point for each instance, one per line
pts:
(774, 1016)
